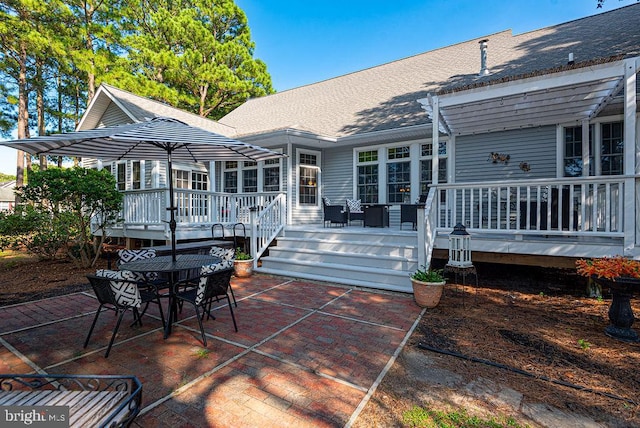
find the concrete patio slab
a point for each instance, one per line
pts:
(306, 353)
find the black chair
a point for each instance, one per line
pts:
(354, 211)
(409, 214)
(211, 284)
(334, 214)
(118, 291)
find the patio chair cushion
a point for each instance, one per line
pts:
(202, 284)
(354, 205)
(126, 256)
(126, 290)
(225, 254)
(326, 200)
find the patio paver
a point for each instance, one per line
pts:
(306, 353)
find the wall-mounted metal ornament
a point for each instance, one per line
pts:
(495, 157)
(525, 166)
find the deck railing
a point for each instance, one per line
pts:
(266, 224)
(149, 207)
(584, 206)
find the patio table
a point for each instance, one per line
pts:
(166, 264)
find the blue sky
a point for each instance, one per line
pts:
(306, 41)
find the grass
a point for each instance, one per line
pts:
(429, 418)
(202, 353)
(10, 258)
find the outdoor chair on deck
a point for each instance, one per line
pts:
(118, 291)
(354, 211)
(212, 284)
(227, 256)
(334, 214)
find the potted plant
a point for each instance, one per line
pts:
(622, 276)
(427, 286)
(243, 264)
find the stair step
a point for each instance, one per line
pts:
(388, 279)
(342, 258)
(349, 247)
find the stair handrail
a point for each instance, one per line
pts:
(427, 222)
(266, 225)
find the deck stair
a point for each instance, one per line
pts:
(368, 257)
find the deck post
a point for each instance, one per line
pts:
(631, 153)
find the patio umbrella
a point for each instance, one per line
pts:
(160, 138)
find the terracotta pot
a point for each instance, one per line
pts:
(243, 268)
(427, 294)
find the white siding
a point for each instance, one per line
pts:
(535, 146)
(337, 174)
(113, 116)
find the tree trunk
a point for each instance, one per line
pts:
(23, 115)
(40, 107)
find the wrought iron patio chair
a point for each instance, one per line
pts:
(212, 284)
(91, 400)
(118, 291)
(333, 214)
(227, 256)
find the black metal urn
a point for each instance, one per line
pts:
(620, 312)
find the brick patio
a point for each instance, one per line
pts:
(306, 353)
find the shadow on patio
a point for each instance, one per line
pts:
(306, 353)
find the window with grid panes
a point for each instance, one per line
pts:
(398, 175)
(368, 176)
(136, 171)
(121, 176)
(271, 175)
(426, 165)
(612, 149)
(250, 177)
(573, 165)
(308, 171)
(230, 181)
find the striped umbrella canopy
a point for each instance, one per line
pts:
(160, 138)
(155, 139)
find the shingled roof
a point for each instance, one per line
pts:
(140, 109)
(384, 97)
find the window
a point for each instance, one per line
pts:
(271, 175)
(612, 149)
(368, 169)
(181, 179)
(230, 177)
(426, 165)
(605, 139)
(199, 180)
(573, 151)
(309, 173)
(121, 176)
(250, 177)
(398, 175)
(136, 170)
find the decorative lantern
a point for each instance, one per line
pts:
(460, 247)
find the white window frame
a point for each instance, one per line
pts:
(318, 186)
(415, 150)
(596, 155)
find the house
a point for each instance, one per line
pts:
(529, 140)
(7, 195)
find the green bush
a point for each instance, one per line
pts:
(59, 205)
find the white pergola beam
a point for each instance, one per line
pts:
(539, 83)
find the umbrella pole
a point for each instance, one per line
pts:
(172, 209)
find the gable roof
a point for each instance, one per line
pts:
(385, 97)
(139, 109)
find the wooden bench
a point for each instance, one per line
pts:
(93, 401)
